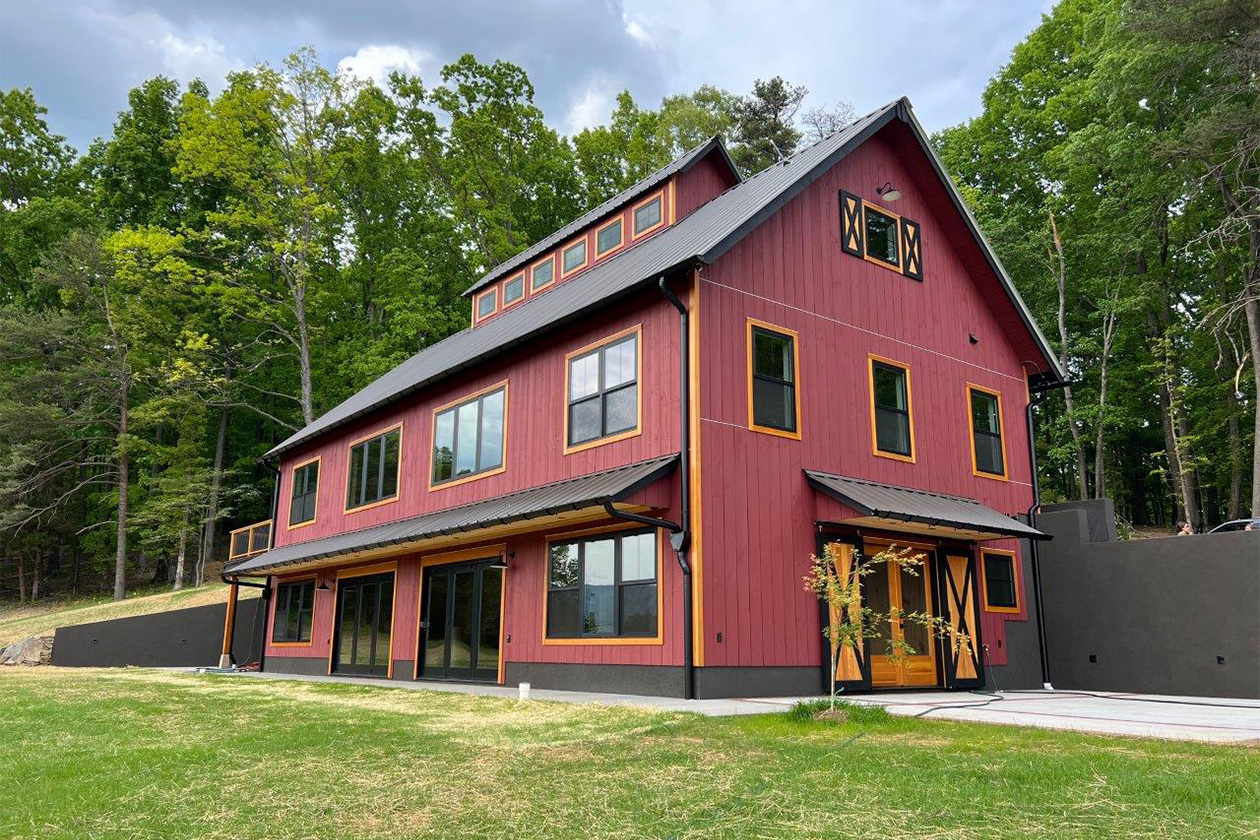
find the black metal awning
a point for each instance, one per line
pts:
(890, 507)
(550, 503)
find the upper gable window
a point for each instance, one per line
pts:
(513, 290)
(542, 274)
(649, 215)
(988, 457)
(609, 237)
(488, 304)
(573, 257)
(373, 474)
(881, 237)
(468, 437)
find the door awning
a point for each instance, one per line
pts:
(561, 502)
(889, 507)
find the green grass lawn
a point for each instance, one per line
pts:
(133, 753)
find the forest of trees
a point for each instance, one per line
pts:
(226, 266)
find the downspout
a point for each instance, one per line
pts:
(680, 532)
(1042, 647)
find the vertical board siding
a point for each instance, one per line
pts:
(704, 181)
(759, 512)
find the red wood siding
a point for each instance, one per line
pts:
(709, 178)
(758, 510)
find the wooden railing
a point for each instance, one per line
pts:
(250, 540)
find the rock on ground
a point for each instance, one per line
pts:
(36, 650)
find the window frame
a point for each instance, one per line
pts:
(608, 341)
(871, 360)
(290, 525)
(590, 535)
(398, 486)
(1016, 581)
(635, 233)
(971, 427)
(868, 206)
(454, 405)
(583, 241)
(752, 324)
(478, 298)
(621, 243)
(281, 584)
(503, 301)
(533, 288)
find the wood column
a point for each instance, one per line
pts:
(229, 626)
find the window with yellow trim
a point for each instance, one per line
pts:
(986, 432)
(542, 274)
(773, 384)
(488, 303)
(373, 473)
(649, 215)
(1001, 581)
(305, 491)
(514, 290)
(603, 398)
(295, 605)
(890, 391)
(468, 438)
(603, 586)
(573, 257)
(608, 238)
(881, 237)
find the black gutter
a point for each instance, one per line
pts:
(1038, 396)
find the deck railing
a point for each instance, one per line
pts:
(250, 540)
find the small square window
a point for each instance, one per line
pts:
(542, 274)
(573, 258)
(514, 289)
(1001, 582)
(881, 238)
(608, 238)
(648, 216)
(488, 304)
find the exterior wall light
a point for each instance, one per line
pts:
(888, 192)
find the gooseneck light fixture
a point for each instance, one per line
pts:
(888, 192)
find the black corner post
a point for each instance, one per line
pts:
(1042, 646)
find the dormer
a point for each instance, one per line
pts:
(645, 209)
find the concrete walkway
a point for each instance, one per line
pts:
(1205, 719)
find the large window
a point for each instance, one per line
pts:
(305, 492)
(468, 437)
(988, 457)
(608, 238)
(542, 274)
(881, 237)
(603, 586)
(1001, 581)
(295, 604)
(773, 370)
(603, 391)
(373, 473)
(573, 257)
(649, 215)
(890, 400)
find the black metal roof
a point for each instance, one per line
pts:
(586, 491)
(700, 237)
(679, 164)
(905, 504)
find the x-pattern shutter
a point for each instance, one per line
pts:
(911, 250)
(960, 598)
(853, 671)
(851, 224)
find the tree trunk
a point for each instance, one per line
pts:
(1252, 308)
(304, 354)
(1060, 272)
(1100, 465)
(181, 555)
(212, 507)
(124, 464)
(37, 563)
(21, 564)
(1235, 467)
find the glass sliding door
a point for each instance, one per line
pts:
(459, 633)
(365, 611)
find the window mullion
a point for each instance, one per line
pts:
(477, 437)
(581, 587)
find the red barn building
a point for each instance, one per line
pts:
(614, 480)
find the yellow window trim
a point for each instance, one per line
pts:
(637, 329)
(639, 234)
(398, 493)
(796, 377)
(1016, 577)
(292, 480)
(658, 639)
(599, 255)
(585, 241)
(455, 482)
(871, 359)
(477, 316)
(866, 252)
(549, 258)
(275, 603)
(971, 426)
(503, 301)
(364, 571)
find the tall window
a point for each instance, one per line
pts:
(1001, 581)
(890, 397)
(373, 473)
(649, 215)
(295, 603)
(988, 457)
(488, 304)
(881, 237)
(513, 290)
(773, 370)
(608, 238)
(603, 587)
(603, 391)
(305, 492)
(468, 438)
(573, 257)
(542, 274)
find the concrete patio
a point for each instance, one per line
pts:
(1207, 719)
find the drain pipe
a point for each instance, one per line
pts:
(1039, 396)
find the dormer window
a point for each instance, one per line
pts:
(488, 303)
(513, 290)
(609, 237)
(541, 275)
(649, 215)
(573, 257)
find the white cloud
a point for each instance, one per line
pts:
(199, 57)
(377, 61)
(590, 106)
(635, 29)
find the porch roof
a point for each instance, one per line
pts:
(920, 511)
(560, 502)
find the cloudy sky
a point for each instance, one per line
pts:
(82, 56)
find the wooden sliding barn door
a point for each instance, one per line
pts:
(853, 670)
(960, 603)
